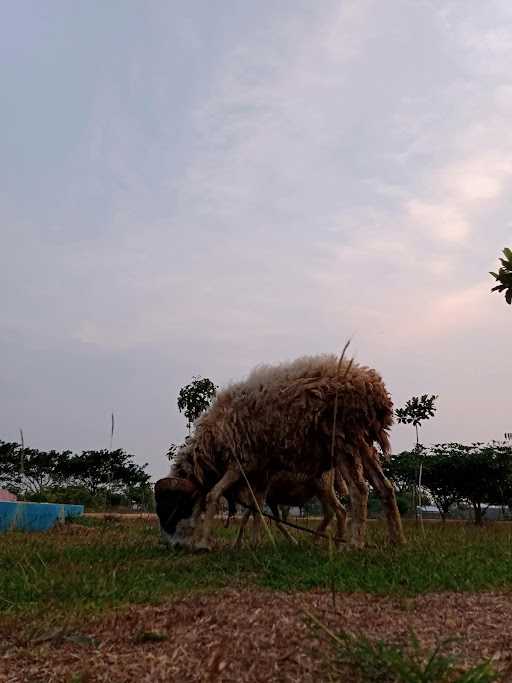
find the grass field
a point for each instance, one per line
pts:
(83, 571)
(107, 563)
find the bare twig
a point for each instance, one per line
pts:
(296, 526)
(319, 623)
(22, 455)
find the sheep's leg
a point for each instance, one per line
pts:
(327, 512)
(212, 499)
(340, 485)
(339, 509)
(341, 518)
(231, 511)
(226, 521)
(352, 471)
(341, 523)
(331, 506)
(281, 527)
(257, 521)
(243, 523)
(387, 494)
(323, 488)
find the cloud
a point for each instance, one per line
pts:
(285, 177)
(475, 181)
(444, 222)
(460, 310)
(463, 188)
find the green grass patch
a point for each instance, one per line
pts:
(380, 662)
(98, 565)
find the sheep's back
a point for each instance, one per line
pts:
(284, 414)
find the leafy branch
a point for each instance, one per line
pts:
(504, 276)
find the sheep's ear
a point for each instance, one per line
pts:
(175, 484)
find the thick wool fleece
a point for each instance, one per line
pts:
(281, 419)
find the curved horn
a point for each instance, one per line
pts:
(175, 484)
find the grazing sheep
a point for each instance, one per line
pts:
(281, 420)
(285, 490)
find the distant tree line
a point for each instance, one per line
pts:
(93, 478)
(454, 474)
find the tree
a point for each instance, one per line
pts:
(484, 476)
(417, 410)
(173, 449)
(44, 468)
(402, 470)
(171, 453)
(41, 469)
(106, 471)
(194, 398)
(480, 474)
(440, 475)
(10, 471)
(503, 277)
(54, 476)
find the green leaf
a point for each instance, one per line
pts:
(508, 253)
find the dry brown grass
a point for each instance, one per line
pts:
(249, 635)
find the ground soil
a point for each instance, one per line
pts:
(249, 636)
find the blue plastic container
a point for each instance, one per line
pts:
(35, 516)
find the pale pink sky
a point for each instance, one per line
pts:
(199, 188)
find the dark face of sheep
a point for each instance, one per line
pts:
(177, 507)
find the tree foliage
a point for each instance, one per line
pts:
(503, 277)
(417, 410)
(440, 476)
(478, 474)
(194, 398)
(171, 452)
(484, 476)
(174, 448)
(104, 472)
(40, 468)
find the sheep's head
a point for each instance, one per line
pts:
(177, 507)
